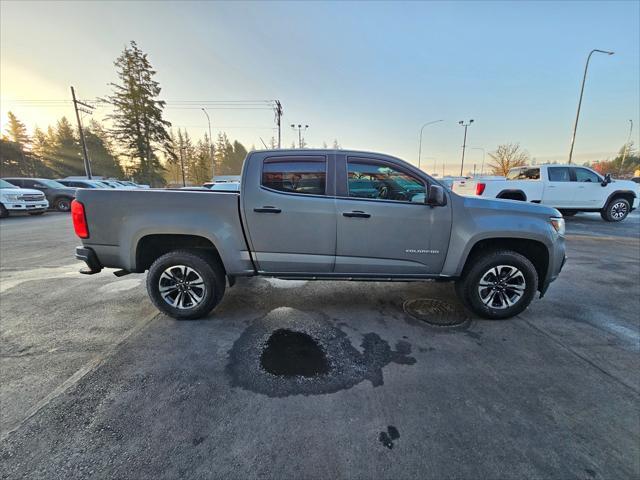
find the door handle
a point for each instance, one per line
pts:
(267, 209)
(357, 214)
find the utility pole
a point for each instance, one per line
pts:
(626, 147)
(89, 109)
(483, 154)
(278, 121)
(184, 184)
(212, 148)
(300, 129)
(464, 143)
(584, 79)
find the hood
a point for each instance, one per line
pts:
(19, 191)
(517, 206)
(626, 185)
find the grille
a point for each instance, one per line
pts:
(31, 197)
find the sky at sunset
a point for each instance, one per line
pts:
(366, 74)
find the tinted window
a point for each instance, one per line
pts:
(295, 175)
(381, 182)
(584, 175)
(17, 183)
(524, 174)
(559, 174)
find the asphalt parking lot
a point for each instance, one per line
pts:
(96, 383)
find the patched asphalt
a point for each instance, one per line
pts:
(95, 384)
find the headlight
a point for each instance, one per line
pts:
(13, 198)
(557, 224)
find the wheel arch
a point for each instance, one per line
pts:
(512, 194)
(628, 195)
(534, 250)
(152, 246)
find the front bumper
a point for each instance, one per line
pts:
(557, 260)
(88, 256)
(26, 206)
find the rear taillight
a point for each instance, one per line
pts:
(79, 219)
(480, 188)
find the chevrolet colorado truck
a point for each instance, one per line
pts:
(321, 215)
(569, 188)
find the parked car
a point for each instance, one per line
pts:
(14, 199)
(81, 183)
(569, 188)
(297, 217)
(58, 196)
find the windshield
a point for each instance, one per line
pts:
(5, 184)
(51, 183)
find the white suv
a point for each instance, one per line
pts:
(15, 199)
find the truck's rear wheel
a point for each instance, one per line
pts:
(616, 210)
(185, 284)
(498, 285)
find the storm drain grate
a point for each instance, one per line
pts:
(435, 312)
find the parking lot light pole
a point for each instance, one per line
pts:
(483, 154)
(464, 143)
(420, 142)
(299, 128)
(584, 78)
(213, 158)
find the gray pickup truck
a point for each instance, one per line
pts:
(322, 215)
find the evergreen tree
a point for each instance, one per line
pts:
(223, 156)
(103, 160)
(67, 154)
(16, 148)
(138, 123)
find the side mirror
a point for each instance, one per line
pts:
(436, 196)
(607, 180)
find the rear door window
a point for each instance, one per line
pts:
(303, 175)
(369, 179)
(559, 174)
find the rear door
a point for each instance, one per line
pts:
(384, 226)
(289, 210)
(559, 190)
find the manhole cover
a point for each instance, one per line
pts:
(292, 354)
(435, 312)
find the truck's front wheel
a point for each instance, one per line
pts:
(185, 284)
(499, 285)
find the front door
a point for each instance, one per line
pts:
(589, 191)
(384, 226)
(290, 214)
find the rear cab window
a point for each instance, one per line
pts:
(367, 178)
(305, 175)
(524, 173)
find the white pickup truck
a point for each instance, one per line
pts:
(569, 188)
(15, 200)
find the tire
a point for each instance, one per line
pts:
(616, 210)
(568, 213)
(35, 213)
(169, 271)
(520, 289)
(4, 213)
(62, 204)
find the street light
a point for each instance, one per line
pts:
(483, 154)
(464, 143)
(213, 160)
(626, 147)
(299, 128)
(420, 143)
(584, 78)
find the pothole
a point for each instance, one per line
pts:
(435, 312)
(293, 354)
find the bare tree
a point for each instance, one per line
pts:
(506, 157)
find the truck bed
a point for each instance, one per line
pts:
(119, 219)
